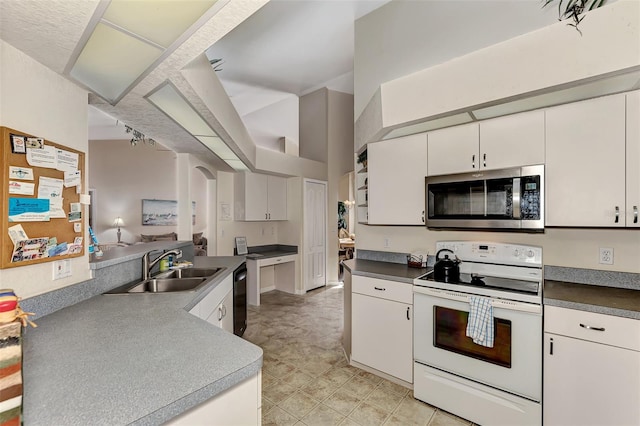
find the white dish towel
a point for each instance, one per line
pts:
(480, 322)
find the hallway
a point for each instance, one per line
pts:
(305, 377)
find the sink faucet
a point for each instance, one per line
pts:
(147, 266)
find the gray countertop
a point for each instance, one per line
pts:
(384, 270)
(623, 302)
(131, 359)
(272, 250)
(620, 302)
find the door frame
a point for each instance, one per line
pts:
(304, 233)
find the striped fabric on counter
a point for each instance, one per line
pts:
(10, 374)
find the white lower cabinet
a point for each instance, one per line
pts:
(591, 369)
(239, 405)
(382, 326)
(222, 315)
(217, 306)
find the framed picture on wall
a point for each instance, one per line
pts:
(160, 212)
(163, 212)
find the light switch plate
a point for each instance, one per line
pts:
(61, 269)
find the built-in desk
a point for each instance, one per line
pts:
(269, 268)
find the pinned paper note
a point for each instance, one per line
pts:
(66, 161)
(21, 188)
(44, 157)
(56, 211)
(30, 249)
(22, 173)
(29, 210)
(72, 178)
(49, 187)
(16, 233)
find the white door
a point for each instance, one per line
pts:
(315, 234)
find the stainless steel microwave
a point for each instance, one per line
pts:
(494, 199)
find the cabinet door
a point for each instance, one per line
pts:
(397, 169)
(277, 198)
(382, 335)
(256, 196)
(587, 383)
(585, 164)
(454, 150)
(226, 323)
(633, 159)
(512, 141)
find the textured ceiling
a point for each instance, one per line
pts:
(49, 30)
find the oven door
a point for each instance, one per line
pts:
(513, 364)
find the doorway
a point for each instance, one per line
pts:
(315, 234)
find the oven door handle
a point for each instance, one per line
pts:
(509, 305)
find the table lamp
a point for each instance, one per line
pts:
(117, 223)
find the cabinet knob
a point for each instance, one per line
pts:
(473, 161)
(484, 160)
(422, 216)
(219, 313)
(617, 214)
(408, 317)
(380, 288)
(635, 214)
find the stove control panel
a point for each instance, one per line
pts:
(499, 253)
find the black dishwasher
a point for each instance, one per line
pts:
(240, 300)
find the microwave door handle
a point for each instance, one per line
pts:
(516, 198)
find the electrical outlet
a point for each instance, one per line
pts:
(387, 242)
(606, 256)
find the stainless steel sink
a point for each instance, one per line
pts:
(189, 273)
(165, 285)
(177, 280)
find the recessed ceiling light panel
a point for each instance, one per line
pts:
(125, 39)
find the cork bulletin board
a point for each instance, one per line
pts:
(43, 198)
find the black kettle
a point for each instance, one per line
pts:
(446, 270)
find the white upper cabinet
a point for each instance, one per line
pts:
(277, 198)
(260, 197)
(396, 173)
(585, 163)
(633, 159)
(453, 150)
(512, 141)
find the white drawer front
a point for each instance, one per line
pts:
(390, 290)
(591, 326)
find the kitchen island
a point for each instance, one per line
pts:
(132, 358)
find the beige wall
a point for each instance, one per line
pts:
(340, 161)
(37, 101)
(313, 126)
(122, 176)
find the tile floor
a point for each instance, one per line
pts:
(305, 377)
